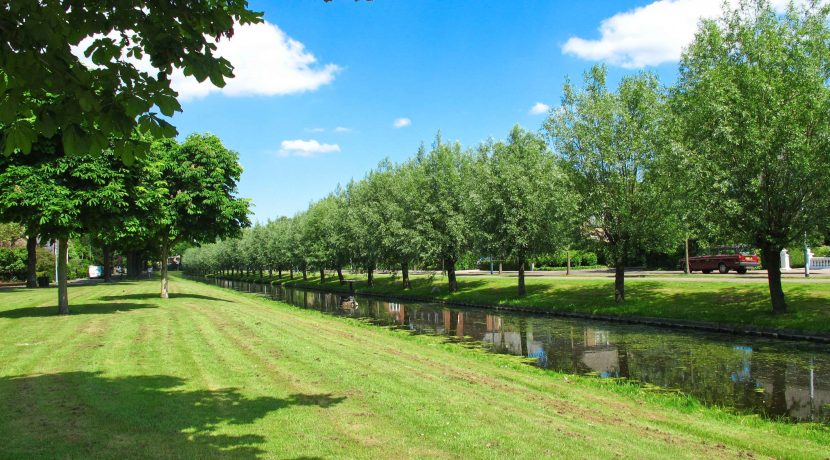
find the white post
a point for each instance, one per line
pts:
(785, 260)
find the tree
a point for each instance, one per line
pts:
(96, 102)
(278, 244)
(197, 190)
(754, 104)
(364, 221)
(611, 145)
(444, 184)
(63, 197)
(521, 200)
(395, 210)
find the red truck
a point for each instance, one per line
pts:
(723, 259)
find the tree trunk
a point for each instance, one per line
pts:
(270, 273)
(619, 280)
(370, 276)
(305, 274)
(686, 268)
(31, 261)
(453, 283)
(522, 290)
(568, 268)
(291, 273)
(772, 261)
(107, 249)
(165, 253)
(499, 268)
(279, 273)
(260, 273)
(322, 275)
(405, 275)
(340, 275)
(63, 289)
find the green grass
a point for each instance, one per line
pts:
(213, 373)
(724, 302)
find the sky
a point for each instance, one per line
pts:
(325, 91)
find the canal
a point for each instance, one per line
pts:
(772, 378)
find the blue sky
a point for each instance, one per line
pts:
(470, 69)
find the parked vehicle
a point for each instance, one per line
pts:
(723, 259)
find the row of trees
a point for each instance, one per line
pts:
(736, 151)
(174, 193)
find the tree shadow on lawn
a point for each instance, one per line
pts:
(74, 309)
(86, 414)
(155, 295)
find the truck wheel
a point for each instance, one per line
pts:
(722, 268)
(741, 270)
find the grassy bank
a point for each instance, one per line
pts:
(213, 373)
(725, 302)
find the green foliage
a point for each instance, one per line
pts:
(522, 207)
(98, 101)
(821, 251)
(754, 111)
(10, 232)
(12, 263)
(560, 259)
(613, 148)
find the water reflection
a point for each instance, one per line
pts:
(772, 378)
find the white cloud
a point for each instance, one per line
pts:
(309, 148)
(266, 62)
(342, 129)
(402, 122)
(650, 35)
(539, 108)
(315, 130)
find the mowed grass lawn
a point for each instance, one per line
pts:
(214, 373)
(732, 303)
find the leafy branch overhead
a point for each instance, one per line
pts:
(78, 69)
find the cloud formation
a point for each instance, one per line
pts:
(402, 122)
(266, 62)
(342, 129)
(539, 108)
(302, 148)
(650, 35)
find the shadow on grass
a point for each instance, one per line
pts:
(74, 309)
(85, 414)
(155, 295)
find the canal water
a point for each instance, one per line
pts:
(773, 378)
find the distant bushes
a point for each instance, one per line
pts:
(579, 259)
(12, 263)
(560, 259)
(797, 255)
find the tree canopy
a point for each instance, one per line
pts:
(92, 72)
(754, 110)
(611, 145)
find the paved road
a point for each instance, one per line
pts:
(820, 276)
